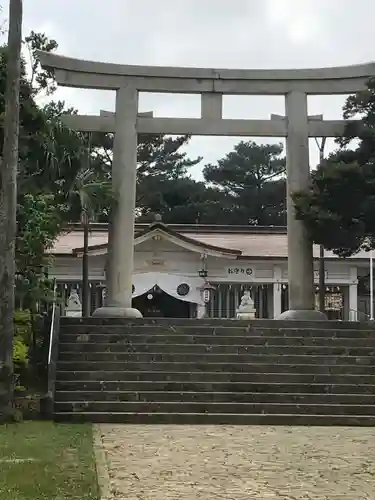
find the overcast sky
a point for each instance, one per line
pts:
(208, 33)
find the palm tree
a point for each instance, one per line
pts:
(91, 193)
(8, 206)
(83, 186)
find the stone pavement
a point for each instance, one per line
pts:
(239, 462)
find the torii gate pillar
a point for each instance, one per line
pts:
(300, 249)
(124, 177)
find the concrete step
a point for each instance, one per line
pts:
(217, 376)
(214, 322)
(206, 366)
(208, 357)
(239, 387)
(227, 331)
(217, 397)
(115, 349)
(212, 407)
(215, 419)
(191, 339)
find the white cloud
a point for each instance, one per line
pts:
(296, 21)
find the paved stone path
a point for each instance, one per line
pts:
(239, 463)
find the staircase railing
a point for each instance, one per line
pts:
(53, 348)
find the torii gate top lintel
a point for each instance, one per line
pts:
(73, 72)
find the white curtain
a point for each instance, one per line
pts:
(144, 282)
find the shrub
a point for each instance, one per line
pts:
(21, 346)
(20, 351)
(23, 325)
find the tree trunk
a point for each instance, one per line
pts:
(85, 270)
(8, 206)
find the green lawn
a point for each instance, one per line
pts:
(46, 461)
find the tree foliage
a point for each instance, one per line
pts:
(339, 206)
(38, 225)
(162, 169)
(41, 80)
(252, 177)
(47, 163)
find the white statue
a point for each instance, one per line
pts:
(74, 306)
(246, 309)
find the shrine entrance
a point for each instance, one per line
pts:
(158, 304)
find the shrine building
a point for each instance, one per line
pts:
(183, 270)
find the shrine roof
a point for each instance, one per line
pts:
(241, 241)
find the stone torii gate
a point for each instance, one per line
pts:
(211, 84)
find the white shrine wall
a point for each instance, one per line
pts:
(170, 259)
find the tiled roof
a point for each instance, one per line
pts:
(67, 242)
(252, 244)
(258, 245)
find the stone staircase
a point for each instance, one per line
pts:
(215, 372)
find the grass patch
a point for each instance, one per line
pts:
(47, 461)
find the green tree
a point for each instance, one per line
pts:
(47, 167)
(89, 194)
(50, 157)
(40, 80)
(8, 205)
(339, 206)
(162, 169)
(38, 225)
(182, 201)
(252, 176)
